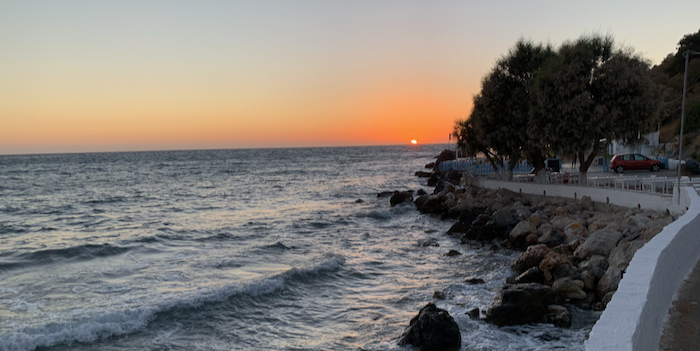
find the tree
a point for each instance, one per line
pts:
(676, 64)
(501, 113)
(590, 92)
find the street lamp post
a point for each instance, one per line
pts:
(680, 147)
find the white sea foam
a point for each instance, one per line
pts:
(106, 324)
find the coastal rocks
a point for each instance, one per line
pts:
(600, 242)
(609, 281)
(530, 258)
(464, 221)
(401, 197)
(559, 316)
(445, 155)
(433, 329)
(578, 249)
(429, 204)
(427, 242)
(569, 289)
(521, 304)
(532, 275)
(520, 232)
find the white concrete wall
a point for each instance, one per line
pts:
(633, 320)
(625, 198)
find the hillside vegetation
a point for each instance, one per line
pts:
(669, 74)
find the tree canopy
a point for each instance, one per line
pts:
(535, 100)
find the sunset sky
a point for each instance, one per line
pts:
(154, 75)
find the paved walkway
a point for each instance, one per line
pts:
(682, 329)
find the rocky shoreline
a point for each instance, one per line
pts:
(574, 252)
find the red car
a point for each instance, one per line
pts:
(623, 162)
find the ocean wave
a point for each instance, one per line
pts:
(108, 324)
(42, 257)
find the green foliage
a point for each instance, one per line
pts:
(501, 110)
(536, 100)
(692, 120)
(676, 63)
(591, 91)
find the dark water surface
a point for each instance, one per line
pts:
(261, 249)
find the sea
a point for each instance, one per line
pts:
(256, 249)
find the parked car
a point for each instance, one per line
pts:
(625, 162)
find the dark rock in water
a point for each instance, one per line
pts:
(442, 185)
(474, 313)
(420, 192)
(401, 197)
(428, 242)
(478, 233)
(559, 316)
(420, 174)
(504, 218)
(453, 253)
(433, 329)
(434, 178)
(521, 304)
(386, 193)
(429, 204)
(430, 165)
(532, 275)
(439, 295)
(475, 281)
(359, 201)
(452, 176)
(464, 223)
(445, 155)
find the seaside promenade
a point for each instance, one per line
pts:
(681, 331)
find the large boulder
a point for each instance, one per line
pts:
(530, 258)
(559, 316)
(532, 275)
(569, 289)
(521, 304)
(401, 197)
(504, 218)
(600, 242)
(429, 204)
(621, 256)
(609, 281)
(433, 329)
(443, 187)
(520, 232)
(552, 237)
(638, 220)
(445, 155)
(464, 222)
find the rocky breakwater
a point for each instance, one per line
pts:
(574, 252)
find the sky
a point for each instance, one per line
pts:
(93, 76)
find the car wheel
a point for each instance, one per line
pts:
(655, 168)
(619, 169)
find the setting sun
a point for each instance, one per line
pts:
(414, 142)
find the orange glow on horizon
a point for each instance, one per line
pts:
(414, 142)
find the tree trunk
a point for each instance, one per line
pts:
(540, 172)
(512, 162)
(586, 163)
(583, 178)
(541, 176)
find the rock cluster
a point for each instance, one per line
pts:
(433, 329)
(575, 252)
